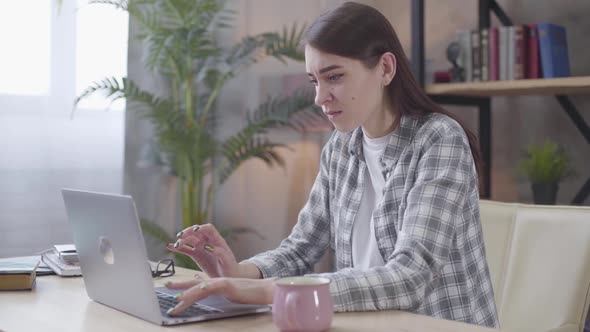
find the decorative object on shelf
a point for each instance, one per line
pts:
(453, 53)
(442, 76)
(545, 166)
(183, 48)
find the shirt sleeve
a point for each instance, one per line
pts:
(310, 237)
(433, 210)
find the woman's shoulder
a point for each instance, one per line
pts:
(435, 126)
(438, 123)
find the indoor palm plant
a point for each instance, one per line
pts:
(545, 166)
(182, 48)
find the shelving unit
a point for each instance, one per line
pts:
(550, 86)
(479, 94)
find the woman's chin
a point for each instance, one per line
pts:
(345, 128)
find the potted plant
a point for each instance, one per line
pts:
(545, 166)
(182, 48)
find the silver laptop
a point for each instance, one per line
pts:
(114, 263)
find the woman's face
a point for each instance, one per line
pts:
(349, 94)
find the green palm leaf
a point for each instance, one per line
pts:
(240, 148)
(185, 261)
(120, 4)
(286, 44)
(254, 48)
(297, 111)
(156, 231)
(158, 109)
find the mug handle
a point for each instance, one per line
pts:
(291, 301)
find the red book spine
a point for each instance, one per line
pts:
(533, 53)
(493, 55)
(520, 46)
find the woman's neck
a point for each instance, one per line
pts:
(381, 123)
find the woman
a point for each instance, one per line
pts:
(396, 197)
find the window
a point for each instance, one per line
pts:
(25, 35)
(101, 49)
(49, 57)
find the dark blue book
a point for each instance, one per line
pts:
(553, 49)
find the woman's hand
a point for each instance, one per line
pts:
(208, 249)
(251, 291)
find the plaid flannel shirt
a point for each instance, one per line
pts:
(427, 226)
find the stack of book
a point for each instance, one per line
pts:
(63, 260)
(514, 52)
(67, 253)
(18, 273)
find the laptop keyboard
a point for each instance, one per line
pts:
(167, 301)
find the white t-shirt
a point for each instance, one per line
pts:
(365, 253)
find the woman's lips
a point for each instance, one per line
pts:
(333, 114)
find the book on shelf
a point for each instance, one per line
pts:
(60, 266)
(521, 35)
(503, 53)
(553, 49)
(484, 54)
(522, 51)
(18, 273)
(475, 55)
(493, 54)
(533, 66)
(464, 39)
(511, 54)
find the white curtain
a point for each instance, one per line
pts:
(48, 56)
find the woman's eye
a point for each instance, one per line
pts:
(314, 82)
(334, 78)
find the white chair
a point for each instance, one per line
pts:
(539, 260)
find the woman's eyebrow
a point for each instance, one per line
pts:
(326, 69)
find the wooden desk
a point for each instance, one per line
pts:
(61, 304)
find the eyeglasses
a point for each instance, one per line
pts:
(164, 268)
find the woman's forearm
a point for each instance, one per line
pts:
(249, 270)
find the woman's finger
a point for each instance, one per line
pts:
(206, 233)
(194, 247)
(204, 259)
(193, 230)
(176, 247)
(195, 293)
(221, 254)
(200, 241)
(190, 241)
(213, 235)
(182, 284)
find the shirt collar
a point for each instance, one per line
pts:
(398, 141)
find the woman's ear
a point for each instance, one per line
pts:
(389, 66)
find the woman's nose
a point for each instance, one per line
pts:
(322, 95)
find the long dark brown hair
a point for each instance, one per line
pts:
(361, 32)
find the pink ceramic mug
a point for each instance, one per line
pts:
(302, 304)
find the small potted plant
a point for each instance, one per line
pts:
(545, 166)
